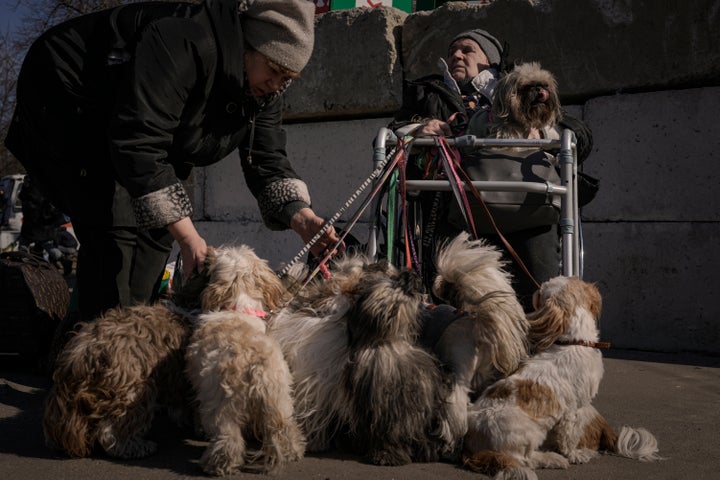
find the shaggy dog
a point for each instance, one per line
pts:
(312, 331)
(541, 416)
(242, 381)
(525, 106)
(488, 338)
(525, 102)
(351, 345)
(115, 372)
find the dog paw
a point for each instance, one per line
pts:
(549, 460)
(216, 460)
(132, 449)
(221, 466)
(295, 453)
(388, 458)
(581, 455)
(516, 473)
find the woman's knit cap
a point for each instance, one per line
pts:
(282, 30)
(489, 44)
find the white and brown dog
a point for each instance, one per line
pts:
(241, 379)
(541, 416)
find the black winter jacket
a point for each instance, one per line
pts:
(143, 93)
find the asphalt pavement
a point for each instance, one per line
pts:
(675, 396)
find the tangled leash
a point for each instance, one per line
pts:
(331, 221)
(454, 164)
(383, 171)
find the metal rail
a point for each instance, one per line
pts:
(567, 190)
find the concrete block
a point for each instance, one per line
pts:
(655, 155)
(278, 248)
(333, 158)
(354, 69)
(658, 282)
(593, 47)
(225, 193)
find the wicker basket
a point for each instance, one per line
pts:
(34, 297)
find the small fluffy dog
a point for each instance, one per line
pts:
(351, 345)
(488, 339)
(541, 416)
(241, 379)
(115, 372)
(312, 331)
(394, 389)
(525, 102)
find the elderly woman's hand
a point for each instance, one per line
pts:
(306, 224)
(434, 127)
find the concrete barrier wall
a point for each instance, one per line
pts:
(652, 234)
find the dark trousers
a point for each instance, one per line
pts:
(539, 249)
(118, 264)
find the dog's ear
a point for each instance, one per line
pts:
(505, 91)
(593, 299)
(271, 287)
(220, 292)
(225, 280)
(548, 323)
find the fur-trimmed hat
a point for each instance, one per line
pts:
(489, 44)
(282, 30)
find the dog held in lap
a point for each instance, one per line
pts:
(525, 103)
(541, 416)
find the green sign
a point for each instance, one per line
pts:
(405, 5)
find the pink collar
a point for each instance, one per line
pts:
(257, 313)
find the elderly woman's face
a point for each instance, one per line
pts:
(262, 79)
(466, 59)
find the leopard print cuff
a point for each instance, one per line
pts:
(162, 207)
(279, 201)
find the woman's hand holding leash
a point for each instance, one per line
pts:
(306, 224)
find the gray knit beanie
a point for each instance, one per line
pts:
(282, 30)
(489, 44)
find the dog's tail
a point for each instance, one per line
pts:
(636, 443)
(498, 465)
